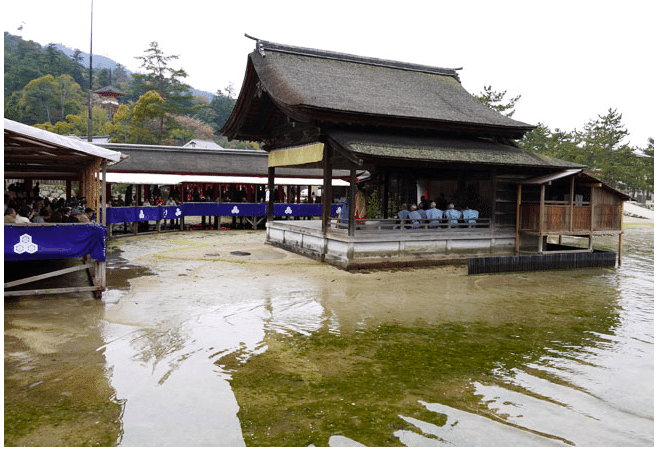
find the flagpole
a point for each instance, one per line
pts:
(89, 93)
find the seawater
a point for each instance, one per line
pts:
(232, 354)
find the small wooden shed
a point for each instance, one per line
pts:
(567, 203)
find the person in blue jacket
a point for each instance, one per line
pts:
(453, 215)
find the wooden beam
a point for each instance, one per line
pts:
(327, 190)
(386, 178)
(518, 215)
(572, 201)
(271, 187)
(351, 223)
(48, 275)
(541, 219)
(101, 214)
(51, 291)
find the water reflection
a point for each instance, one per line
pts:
(227, 354)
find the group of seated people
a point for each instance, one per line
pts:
(22, 209)
(414, 215)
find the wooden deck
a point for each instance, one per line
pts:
(375, 246)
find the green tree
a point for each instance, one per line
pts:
(77, 124)
(495, 100)
(604, 148)
(557, 143)
(167, 82)
(642, 168)
(222, 105)
(120, 129)
(649, 153)
(120, 76)
(103, 78)
(49, 99)
(139, 125)
(39, 100)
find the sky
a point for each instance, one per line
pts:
(571, 61)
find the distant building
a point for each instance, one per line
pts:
(109, 99)
(200, 144)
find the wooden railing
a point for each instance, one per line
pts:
(394, 226)
(558, 217)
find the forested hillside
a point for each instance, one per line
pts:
(48, 89)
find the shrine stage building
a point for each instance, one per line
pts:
(418, 135)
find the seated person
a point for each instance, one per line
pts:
(415, 216)
(10, 216)
(433, 214)
(38, 218)
(89, 213)
(452, 215)
(23, 216)
(422, 211)
(470, 216)
(402, 215)
(79, 216)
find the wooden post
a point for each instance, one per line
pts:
(386, 178)
(572, 201)
(271, 178)
(351, 223)
(518, 215)
(620, 238)
(592, 209)
(101, 214)
(327, 190)
(541, 219)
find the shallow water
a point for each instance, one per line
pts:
(271, 349)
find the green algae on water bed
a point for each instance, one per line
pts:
(304, 389)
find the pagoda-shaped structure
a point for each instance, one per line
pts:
(109, 98)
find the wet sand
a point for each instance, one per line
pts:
(57, 389)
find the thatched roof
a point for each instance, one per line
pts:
(314, 86)
(368, 146)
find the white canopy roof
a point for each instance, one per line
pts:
(31, 136)
(172, 179)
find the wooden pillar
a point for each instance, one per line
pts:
(68, 189)
(101, 213)
(592, 208)
(271, 188)
(620, 238)
(518, 216)
(541, 220)
(351, 223)
(327, 190)
(386, 178)
(572, 201)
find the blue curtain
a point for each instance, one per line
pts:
(50, 241)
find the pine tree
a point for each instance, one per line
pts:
(494, 99)
(167, 82)
(605, 150)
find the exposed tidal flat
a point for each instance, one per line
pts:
(216, 339)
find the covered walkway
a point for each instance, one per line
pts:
(34, 154)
